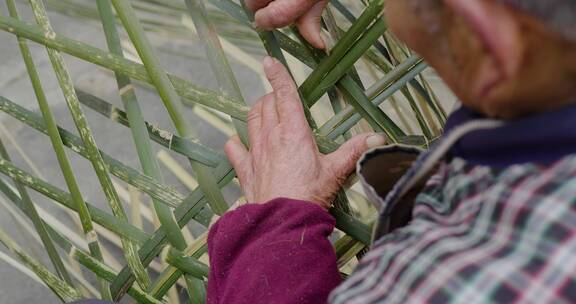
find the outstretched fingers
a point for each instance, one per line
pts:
(288, 104)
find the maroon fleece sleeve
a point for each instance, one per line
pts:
(276, 252)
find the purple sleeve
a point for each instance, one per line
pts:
(276, 252)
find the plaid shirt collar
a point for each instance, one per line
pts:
(542, 139)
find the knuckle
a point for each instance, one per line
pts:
(287, 132)
(229, 146)
(355, 153)
(254, 114)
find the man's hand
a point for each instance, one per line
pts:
(306, 14)
(283, 160)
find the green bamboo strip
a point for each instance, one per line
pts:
(411, 100)
(313, 93)
(354, 93)
(67, 87)
(228, 87)
(187, 210)
(160, 19)
(74, 267)
(272, 46)
(196, 95)
(111, 112)
(11, 194)
(337, 33)
(125, 173)
(422, 122)
(106, 220)
(435, 103)
(190, 148)
(60, 288)
(217, 58)
(423, 92)
(113, 62)
(170, 275)
(144, 183)
(39, 226)
(27, 201)
(135, 71)
(374, 115)
(233, 9)
(187, 264)
(324, 146)
(344, 120)
(424, 127)
(66, 168)
(146, 154)
(352, 19)
(84, 286)
(151, 64)
(100, 269)
(348, 84)
(148, 161)
(167, 278)
(393, 75)
(352, 226)
(400, 54)
(380, 121)
(172, 102)
(303, 54)
(17, 265)
(337, 99)
(170, 98)
(346, 249)
(342, 47)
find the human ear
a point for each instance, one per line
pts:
(499, 32)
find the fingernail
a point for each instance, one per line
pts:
(375, 140)
(268, 61)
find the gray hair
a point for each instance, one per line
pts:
(558, 15)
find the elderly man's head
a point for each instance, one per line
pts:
(505, 58)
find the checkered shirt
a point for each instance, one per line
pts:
(479, 234)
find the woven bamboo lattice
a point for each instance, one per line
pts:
(158, 260)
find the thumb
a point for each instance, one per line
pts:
(310, 26)
(343, 161)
